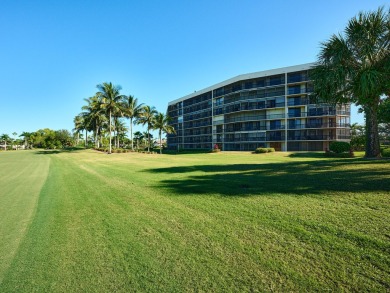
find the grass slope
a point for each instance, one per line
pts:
(21, 179)
(204, 222)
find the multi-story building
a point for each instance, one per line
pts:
(270, 108)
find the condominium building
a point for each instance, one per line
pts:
(270, 108)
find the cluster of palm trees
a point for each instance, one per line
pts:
(104, 113)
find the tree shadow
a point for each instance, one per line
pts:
(185, 152)
(58, 151)
(298, 178)
(307, 155)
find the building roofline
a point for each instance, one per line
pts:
(244, 77)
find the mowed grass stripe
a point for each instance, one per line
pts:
(115, 223)
(22, 175)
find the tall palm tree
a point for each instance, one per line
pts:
(26, 136)
(82, 123)
(355, 67)
(5, 138)
(147, 117)
(14, 140)
(138, 137)
(161, 124)
(120, 129)
(132, 110)
(95, 115)
(111, 99)
(78, 121)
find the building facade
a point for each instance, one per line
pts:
(270, 108)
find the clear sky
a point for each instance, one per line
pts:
(54, 53)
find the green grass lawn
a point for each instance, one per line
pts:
(82, 221)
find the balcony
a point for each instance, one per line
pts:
(197, 125)
(244, 118)
(296, 91)
(297, 78)
(312, 137)
(242, 139)
(297, 102)
(276, 127)
(260, 128)
(275, 138)
(275, 116)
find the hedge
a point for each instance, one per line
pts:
(339, 147)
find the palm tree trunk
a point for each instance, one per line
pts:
(148, 139)
(109, 150)
(372, 137)
(86, 138)
(159, 134)
(131, 134)
(97, 137)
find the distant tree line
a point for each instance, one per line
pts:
(104, 115)
(42, 138)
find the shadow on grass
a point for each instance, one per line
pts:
(58, 151)
(300, 178)
(185, 152)
(307, 155)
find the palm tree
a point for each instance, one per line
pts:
(81, 122)
(26, 136)
(147, 117)
(132, 111)
(162, 125)
(120, 130)
(138, 136)
(78, 126)
(5, 138)
(94, 114)
(111, 99)
(355, 67)
(14, 139)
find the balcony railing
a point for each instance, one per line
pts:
(197, 125)
(312, 137)
(275, 138)
(275, 116)
(244, 118)
(299, 78)
(275, 127)
(295, 91)
(245, 129)
(241, 139)
(318, 125)
(297, 102)
(343, 137)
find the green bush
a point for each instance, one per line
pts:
(385, 152)
(261, 150)
(271, 150)
(339, 147)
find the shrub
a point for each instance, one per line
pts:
(271, 150)
(261, 150)
(339, 147)
(385, 152)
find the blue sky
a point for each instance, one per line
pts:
(54, 53)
